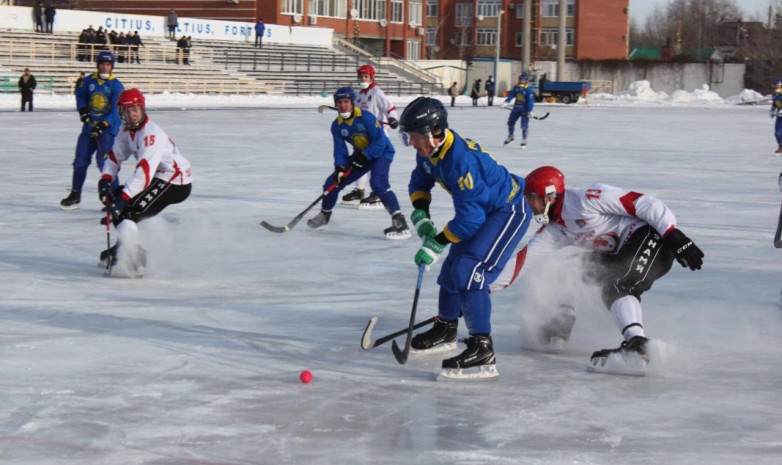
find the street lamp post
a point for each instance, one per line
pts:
(497, 52)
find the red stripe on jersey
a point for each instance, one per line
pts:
(112, 157)
(521, 257)
(144, 166)
(392, 109)
(628, 201)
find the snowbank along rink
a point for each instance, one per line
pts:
(199, 361)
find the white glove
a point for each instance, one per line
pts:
(531, 115)
(504, 105)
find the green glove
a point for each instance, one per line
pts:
(423, 224)
(429, 252)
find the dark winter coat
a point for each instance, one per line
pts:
(27, 88)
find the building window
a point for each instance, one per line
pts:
(293, 6)
(519, 39)
(413, 49)
(486, 36)
(550, 8)
(416, 10)
(397, 11)
(548, 36)
(488, 8)
(431, 36)
(370, 9)
(331, 8)
(519, 10)
(463, 37)
(431, 8)
(463, 15)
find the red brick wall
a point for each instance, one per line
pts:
(602, 28)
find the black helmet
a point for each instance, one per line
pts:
(424, 115)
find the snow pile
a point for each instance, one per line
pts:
(702, 95)
(745, 97)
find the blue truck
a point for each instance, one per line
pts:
(565, 92)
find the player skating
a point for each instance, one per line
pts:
(776, 112)
(96, 100)
(490, 219)
(634, 239)
(370, 98)
(522, 108)
(372, 153)
(161, 177)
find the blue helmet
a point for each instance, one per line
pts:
(424, 115)
(105, 57)
(523, 76)
(777, 82)
(343, 93)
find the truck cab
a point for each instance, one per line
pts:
(565, 92)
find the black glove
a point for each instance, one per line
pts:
(84, 114)
(339, 174)
(98, 129)
(685, 251)
(105, 192)
(116, 208)
(359, 160)
(393, 123)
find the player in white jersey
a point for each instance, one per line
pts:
(162, 177)
(371, 99)
(635, 240)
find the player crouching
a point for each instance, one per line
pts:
(162, 177)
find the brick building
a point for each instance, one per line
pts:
(444, 29)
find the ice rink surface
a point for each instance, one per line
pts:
(199, 361)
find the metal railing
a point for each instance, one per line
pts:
(10, 84)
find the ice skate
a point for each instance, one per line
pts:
(372, 202)
(353, 197)
(477, 362)
(509, 139)
(554, 334)
(630, 358)
(71, 202)
(440, 338)
(398, 229)
(523, 144)
(106, 255)
(129, 263)
(779, 151)
(319, 221)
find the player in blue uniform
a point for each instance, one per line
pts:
(776, 112)
(491, 217)
(522, 108)
(96, 100)
(372, 152)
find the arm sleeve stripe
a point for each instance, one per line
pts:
(628, 201)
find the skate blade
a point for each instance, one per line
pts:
(352, 203)
(553, 345)
(118, 270)
(76, 207)
(618, 364)
(371, 206)
(479, 373)
(438, 349)
(398, 236)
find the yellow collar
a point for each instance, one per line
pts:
(443, 149)
(349, 121)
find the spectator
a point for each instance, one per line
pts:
(49, 13)
(172, 23)
(135, 42)
(260, 28)
(100, 39)
(181, 45)
(476, 92)
(26, 88)
(188, 46)
(38, 16)
(489, 86)
(79, 80)
(122, 48)
(453, 92)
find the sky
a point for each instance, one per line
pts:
(753, 9)
(198, 362)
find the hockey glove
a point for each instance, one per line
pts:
(530, 115)
(393, 123)
(116, 208)
(105, 192)
(84, 115)
(359, 160)
(423, 223)
(339, 174)
(98, 129)
(429, 252)
(685, 251)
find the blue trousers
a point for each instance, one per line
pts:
(778, 130)
(473, 264)
(85, 147)
(378, 181)
(514, 116)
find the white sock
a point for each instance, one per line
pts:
(628, 316)
(127, 232)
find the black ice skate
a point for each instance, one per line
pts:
(509, 139)
(128, 263)
(476, 362)
(554, 334)
(630, 358)
(108, 254)
(524, 143)
(71, 202)
(372, 202)
(319, 221)
(353, 197)
(779, 151)
(398, 229)
(441, 337)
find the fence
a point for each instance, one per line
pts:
(9, 84)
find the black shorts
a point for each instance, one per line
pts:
(152, 200)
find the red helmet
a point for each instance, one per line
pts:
(367, 69)
(546, 182)
(130, 98)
